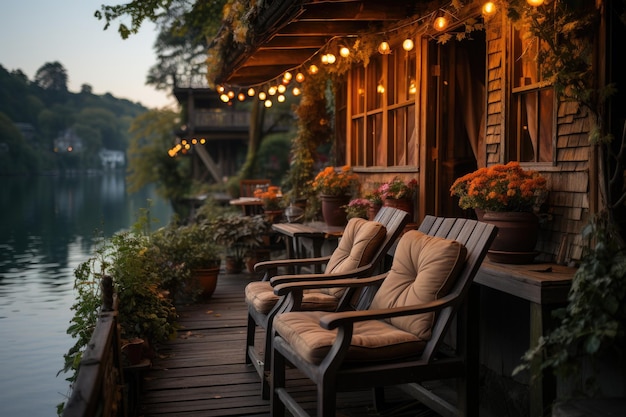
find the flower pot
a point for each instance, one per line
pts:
(332, 209)
(233, 265)
(207, 280)
(516, 238)
(403, 204)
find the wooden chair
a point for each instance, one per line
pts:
(398, 340)
(362, 248)
(246, 189)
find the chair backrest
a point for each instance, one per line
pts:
(247, 187)
(476, 237)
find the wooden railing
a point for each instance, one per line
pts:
(99, 386)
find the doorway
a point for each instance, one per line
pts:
(455, 118)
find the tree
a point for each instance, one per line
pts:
(52, 76)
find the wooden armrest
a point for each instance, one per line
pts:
(284, 279)
(286, 288)
(334, 320)
(279, 263)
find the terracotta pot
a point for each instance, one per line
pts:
(207, 280)
(233, 265)
(332, 209)
(259, 255)
(403, 204)
(517, 236)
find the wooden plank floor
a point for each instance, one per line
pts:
(202, 372)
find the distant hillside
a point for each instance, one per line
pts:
(44, 127)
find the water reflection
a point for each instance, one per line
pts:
(46, 230)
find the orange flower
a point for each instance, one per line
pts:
(500, 188)
(330, 181)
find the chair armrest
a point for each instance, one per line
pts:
(279, 263)
(286, 288)
(334, 320)
(284, 279)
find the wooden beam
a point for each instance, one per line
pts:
(358, 10)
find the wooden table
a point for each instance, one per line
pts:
(249, 205)
(317, 232)
(545, 286)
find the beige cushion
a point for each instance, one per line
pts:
(372, 340)
(358, 246)
(424, 269)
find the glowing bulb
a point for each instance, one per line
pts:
(280, 98)
(262, 95)
(344, 52)
(194, 141)
(220, 88)
(241, 96)
(330, 58)
(268, 103)
(380, 89)
(440, 23)
(251, 92)
(271, 91)
(224, 98)
(287, 76)
(296, 91)
(231, 94)
(299, 77)
(408, 45)
(324, 59)
(534, 3)
(202, 141)
(489, 9)
(313, 69)
(281, 89)
(384, 48)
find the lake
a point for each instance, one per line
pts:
(47, 226)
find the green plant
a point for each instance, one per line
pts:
(357, 208)
(179, 250)
(594, 321)
(239, 234)
(331, 181)
(500, 188)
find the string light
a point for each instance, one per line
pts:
(241, 96)
(251, 92)
(344, 52)
(262, 95)
(280, 98)
(224, 98)
(408, 45)
(488, 10)
(300, 77)
(384, 48)
(287, 77)
(296, 91)
(534, 3)
(440, 24)
(268, 103)
(281, 88)
(271, 91)
(313, 69)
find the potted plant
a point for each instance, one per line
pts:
(190, 259)
(239, 235)
(507, 196)
(399, 194)
(357, 207)
(271, 198)
(335, 187)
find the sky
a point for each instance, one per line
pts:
(35, 32)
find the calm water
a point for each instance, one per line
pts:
(46, 230)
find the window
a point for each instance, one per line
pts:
(382, 111)
(531, 115)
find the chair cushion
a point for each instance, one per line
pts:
(424, 269)
(372, 340)
(359, 243)
(260, 296)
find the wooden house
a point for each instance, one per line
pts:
(454, 87)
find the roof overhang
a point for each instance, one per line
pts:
(288, 33)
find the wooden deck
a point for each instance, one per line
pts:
(202, 372)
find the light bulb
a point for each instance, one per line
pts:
(224, 98)
(262, 95)
(251, 92)
(280, 98)
(440, 23)
(287, 76)
(230, 94)
(489, 9)
(534, 3)
(344, 52)
(281, 88)
(408, 45)
(271, 91)
(330, 58)
(384, 48)
(296, 91)
(299, 77)
(241, 96)
(313, 69)
(268, 103)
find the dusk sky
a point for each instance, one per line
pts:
(34, 32)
